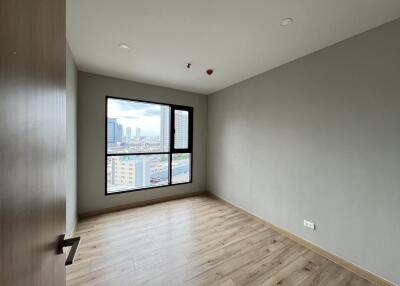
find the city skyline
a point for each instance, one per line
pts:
(145, 116)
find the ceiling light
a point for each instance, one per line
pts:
(123, 46)
(286, 21)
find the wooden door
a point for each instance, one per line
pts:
(32, 141)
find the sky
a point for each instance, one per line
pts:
(134, 114)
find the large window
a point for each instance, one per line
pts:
(148, 145)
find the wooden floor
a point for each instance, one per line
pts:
(194, 241)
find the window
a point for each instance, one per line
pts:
(148, 145)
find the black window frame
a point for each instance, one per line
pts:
(170, 153)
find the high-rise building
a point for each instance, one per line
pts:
(114, 131)
(137, 133)
(119, 133)
(130, 172)
(121, 172)
(164, 128)
(111, 130)
(128, 133)
(143, 171)
(181, 129)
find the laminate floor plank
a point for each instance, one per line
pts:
(195, 241)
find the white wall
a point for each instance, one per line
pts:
(319, 139)
(91, 139)
(71, 162)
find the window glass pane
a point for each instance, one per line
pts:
(181, 129)
(181, 168)
(136, 172)
(137, 127)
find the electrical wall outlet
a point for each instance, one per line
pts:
(309, 224)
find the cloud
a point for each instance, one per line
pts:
(152, 112)
(134, 114)
(129, 117)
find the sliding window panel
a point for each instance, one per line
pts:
(137, 127)
(181, 168)
(182, 129)
(136, 172)
(181, 139)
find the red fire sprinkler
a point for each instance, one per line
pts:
(210, 71)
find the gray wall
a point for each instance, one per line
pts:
(319, 139)
(92, 90)
(71, 168)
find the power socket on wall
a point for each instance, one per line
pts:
(309, 224)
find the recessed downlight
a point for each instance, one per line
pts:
(123, 46)
(287, 21)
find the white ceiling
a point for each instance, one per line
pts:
(238, 38)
